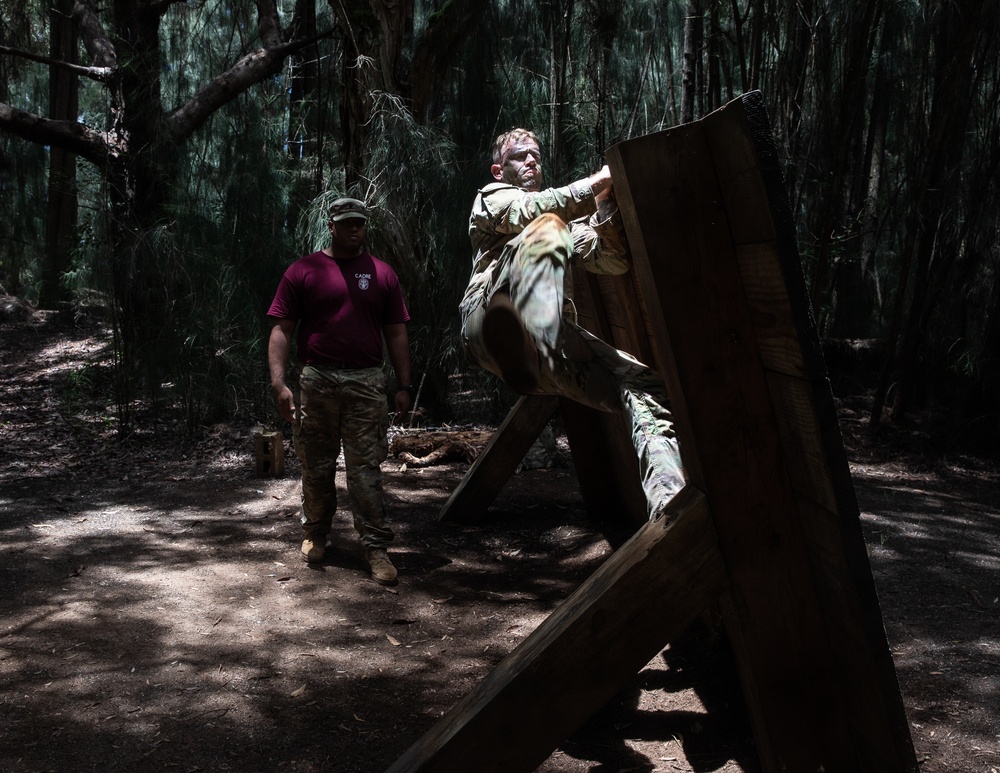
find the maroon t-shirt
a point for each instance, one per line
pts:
(341, 306)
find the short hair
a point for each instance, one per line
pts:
(511, 136)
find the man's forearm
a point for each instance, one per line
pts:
(279, 350)
(397, 343)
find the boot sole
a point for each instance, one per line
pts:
(511, 347)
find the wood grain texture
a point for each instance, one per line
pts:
(715, 257)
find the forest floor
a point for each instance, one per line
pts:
(155, 612)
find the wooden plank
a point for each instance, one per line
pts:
(611, 308)
(498, 461)
(606, 464)
(716, 262)
(844, 608)
(607, 470)
(800, 438)
(773, 320)
(746, 162)
(882, 739)
(623, 309)
(644, 595)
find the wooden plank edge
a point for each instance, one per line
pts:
(497, 462)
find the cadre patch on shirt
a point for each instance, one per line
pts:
(363, 280)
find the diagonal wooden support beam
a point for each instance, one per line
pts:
(497, 462)
(644, 595)
(606, 467)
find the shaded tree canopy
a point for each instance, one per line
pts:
(210, 135)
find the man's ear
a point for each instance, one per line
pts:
(497, 171)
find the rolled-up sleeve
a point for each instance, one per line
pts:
(504, 209)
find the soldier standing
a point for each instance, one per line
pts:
(339, 304)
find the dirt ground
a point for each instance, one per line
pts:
(155, 613)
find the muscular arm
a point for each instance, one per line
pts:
(600, 181)
(279, 349)
(599, 242)
(505, 209)
(397, 342)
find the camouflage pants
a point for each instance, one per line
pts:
(343, 407)
(534, 269)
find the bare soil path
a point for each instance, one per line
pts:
(155, 613)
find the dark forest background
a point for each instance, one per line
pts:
(162, 162)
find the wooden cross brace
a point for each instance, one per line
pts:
(768, 527)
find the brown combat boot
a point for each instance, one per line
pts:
(510, 345)
(383, 572)
(313, 549)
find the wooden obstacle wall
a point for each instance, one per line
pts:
(768, 526)
(733, 334)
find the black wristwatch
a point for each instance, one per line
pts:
(411, 389)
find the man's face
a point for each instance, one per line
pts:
(521, 165)
(349, 234)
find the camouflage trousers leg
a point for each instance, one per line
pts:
(654, 439)
(343, 408)
(532, 269)
(540, 288)
(643, 397)
(538, 276)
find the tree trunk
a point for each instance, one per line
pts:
(792, 81)
(854, 298)
(956, 47)
(872, 218)
(844, 136)
(61, 206)
(693, 38)
(980, 412)
(374, 31)
(305, 135)
(758, 16)
(713, 90)
(607, 25)
(437, 49)
(560, 18)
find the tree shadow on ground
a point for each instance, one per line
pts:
(686, 701)
(166, 620)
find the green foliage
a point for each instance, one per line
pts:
(859, 132)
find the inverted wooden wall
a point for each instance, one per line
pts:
(768, 526)
(732, 332)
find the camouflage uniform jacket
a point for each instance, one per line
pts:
(502, 211)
